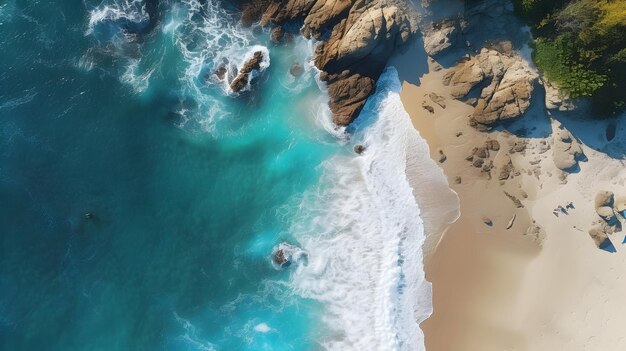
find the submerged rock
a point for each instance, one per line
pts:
(296, 70)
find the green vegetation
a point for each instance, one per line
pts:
(581, 47)
(557, 59)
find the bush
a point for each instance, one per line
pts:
(559, 61)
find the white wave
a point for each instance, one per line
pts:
(190, 337)
(133, 11)
(136, 78)
(364, 235)
(206, 36)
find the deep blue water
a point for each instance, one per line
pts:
(189, 188)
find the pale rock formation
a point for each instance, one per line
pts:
(555, 98)
(508, 93)
(440, 36)
(567, 149)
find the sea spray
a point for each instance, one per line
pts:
(362, 230)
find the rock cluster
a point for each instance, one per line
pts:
(510, 83)
(357, 37)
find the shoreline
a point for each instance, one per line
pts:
(510, 289)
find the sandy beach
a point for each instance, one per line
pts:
(515, 271)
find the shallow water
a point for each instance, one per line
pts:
(190, 188)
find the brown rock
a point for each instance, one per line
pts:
(359, 149)
(515, 200)
(355, 29)
(481, 152)
(242, 79)
(478, 163)
(492, 145)
(507, 95)
(506, 167)
(427, 107)
(442, 156)
(277, 35)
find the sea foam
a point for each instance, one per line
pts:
(362, 229)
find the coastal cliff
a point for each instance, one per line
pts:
(356, 38)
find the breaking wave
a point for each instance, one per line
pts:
(362, 229)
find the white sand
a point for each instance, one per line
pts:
(496, 289)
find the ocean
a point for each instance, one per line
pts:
(141, 200)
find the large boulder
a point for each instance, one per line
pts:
(510, 85)
(567, 149)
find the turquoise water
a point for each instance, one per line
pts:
(189, 188)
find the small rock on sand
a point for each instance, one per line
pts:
(442, 156)
(478, 163)
(427, 107)
(511, 222)
(438, 99)
(599, 236)
(487, 221)
(296, 70)
(506, 168)
(457, 179)
(515, 200)
(492, 145)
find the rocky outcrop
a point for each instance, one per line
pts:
(555, 98)
(440, 36)
(567, 151)
(604, 206)
(244, 75)
(509, 85)
(357, 37)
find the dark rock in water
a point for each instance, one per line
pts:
(296, 70)
(220, 72)
(279, 258)
(277, 35)
(610, 131)
(243, 77)
(88, 215)
(285, 254)
(359, 149)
